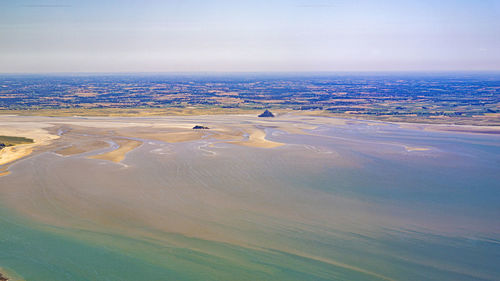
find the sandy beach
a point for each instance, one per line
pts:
(86, 134)
(33, 130)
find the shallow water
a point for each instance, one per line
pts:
(344, 202)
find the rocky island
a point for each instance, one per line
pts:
(199, 127)
(266, 113)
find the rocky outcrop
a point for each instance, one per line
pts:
(266, 113)
(198, 127)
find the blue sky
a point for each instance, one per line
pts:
(258, 35)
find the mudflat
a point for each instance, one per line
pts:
(288, 198)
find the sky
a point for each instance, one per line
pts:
(248, 36)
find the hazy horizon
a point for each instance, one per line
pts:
(263, 73)
(248, 36)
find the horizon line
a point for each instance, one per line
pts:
(486, 71)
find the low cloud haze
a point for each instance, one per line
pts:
(275, 35)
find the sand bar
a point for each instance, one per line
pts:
(35, 131)
(117, 155)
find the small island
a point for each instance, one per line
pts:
(266, 113)
(13, 148)
(199, 127)
(6, 141)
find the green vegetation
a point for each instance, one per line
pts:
(11, 141)
(472, 99)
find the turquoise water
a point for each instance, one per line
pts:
(43, 255)
(344, 203)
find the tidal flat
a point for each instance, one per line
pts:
(286, 198)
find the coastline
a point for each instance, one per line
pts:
(491, 120)
(173, 131)
(486, 120)
(35, 131)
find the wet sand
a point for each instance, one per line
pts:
(34, 131)
(179, 129)
(82, 147)
(118, 154)
(290, 198)
(491, 130)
